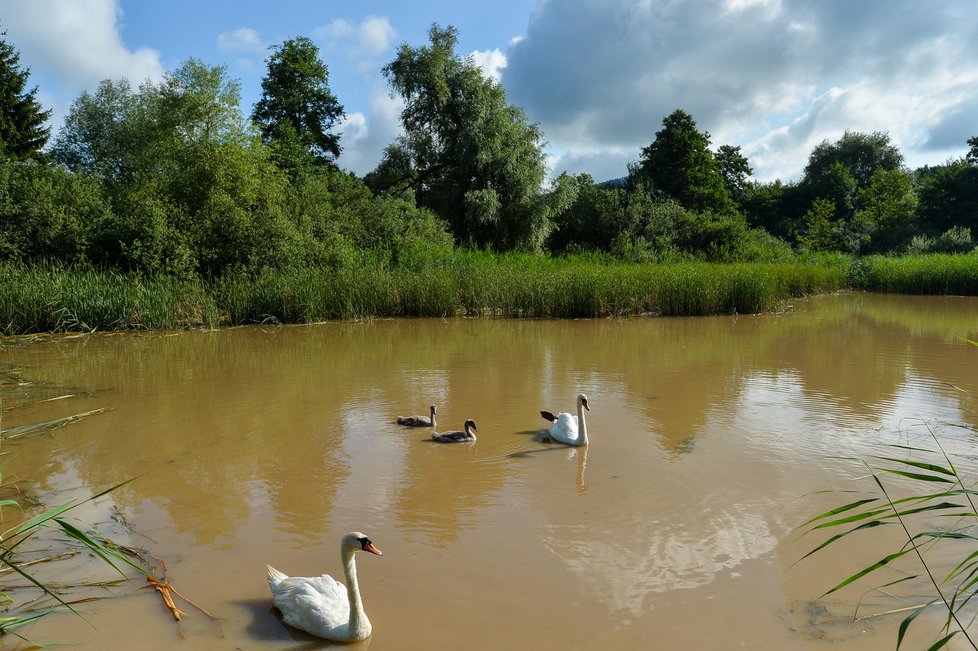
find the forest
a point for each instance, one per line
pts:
(175, 179)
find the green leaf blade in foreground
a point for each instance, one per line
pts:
(886, 560)
(829, 541)
(905, 624)
(916, 475)
(841, 509)
(943, 641)
(933, 467)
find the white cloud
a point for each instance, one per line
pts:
(363, 42)
(77, 42)
(72, 46)
(364, 136)
(773, 76)
(492, 62)
(243, 39)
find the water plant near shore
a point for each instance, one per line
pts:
(456, 283)
(930, 486)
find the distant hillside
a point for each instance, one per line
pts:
(614, 183)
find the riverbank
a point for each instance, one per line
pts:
(63, 299)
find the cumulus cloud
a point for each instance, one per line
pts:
(77, 42)
(243, 39)
(72, 46)
(773, 76)
(364, 135)
(363, 42)
(492, 62)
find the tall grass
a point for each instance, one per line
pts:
(454, 283)
(938, 273)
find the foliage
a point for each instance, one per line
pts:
(936, 490)
(679, 165)
(861, 154)
(735, 169)
(817, 235)
(46, 213)
(948, 196)
(297, 109)
(940, 274)
(890, 205)
(475, 160)
(22, 131)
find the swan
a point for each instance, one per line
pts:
(318, 604)
(418, 421)
(457, 437)
(565, 426)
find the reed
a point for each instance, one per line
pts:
(455, 283)
(938, 273)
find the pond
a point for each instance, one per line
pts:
(676, 528)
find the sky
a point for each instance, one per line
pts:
(774, 77)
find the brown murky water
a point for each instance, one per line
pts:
(676, 529)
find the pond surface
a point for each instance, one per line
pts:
(677, 528)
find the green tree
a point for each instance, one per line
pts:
(297, 109)
(680, 165)
(860, 153)
(193, 188)
(22, 130)
(475, 159)
(948, 196)
(890, 205)
(817, 235)
(735, 169)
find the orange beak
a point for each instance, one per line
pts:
(369, 547)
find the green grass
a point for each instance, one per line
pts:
(937, 273)
(454, 283)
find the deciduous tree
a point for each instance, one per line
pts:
(475, 159)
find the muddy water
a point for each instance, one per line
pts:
(677, 528)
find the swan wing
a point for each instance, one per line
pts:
(564, 428)
(414, 421)
(317, 605)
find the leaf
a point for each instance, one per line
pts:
(915, 475)
(829, 541)
(920, 464)
(886, 560)
(841, 509)
(905, 624)
(943, 641)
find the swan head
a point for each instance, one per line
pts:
(433, 410)
(582, 400)
(471, 423)
(356, 541)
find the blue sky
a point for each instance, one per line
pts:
(775, 77)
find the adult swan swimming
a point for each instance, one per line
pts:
(565, 426)
(320, 604)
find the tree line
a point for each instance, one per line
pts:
(172, 177)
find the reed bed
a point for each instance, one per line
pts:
(941, 274)
(458, 283)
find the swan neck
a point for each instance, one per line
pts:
(359, 624)
(582, 424)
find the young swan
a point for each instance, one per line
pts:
(321, 605)
(565, 426)
(418, 421)
(457, 437)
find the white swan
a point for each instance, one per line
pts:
(418, 421)
(457, 437)
(565, 426)
(321, 605)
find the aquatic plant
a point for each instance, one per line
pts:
(932, 487)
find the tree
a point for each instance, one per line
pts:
(22, 131)
(297, 109)
(475, 160)
(191, 185)
(891, 207)
(818, 226)
(735, 170)
(680, 165)
(861, 154)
